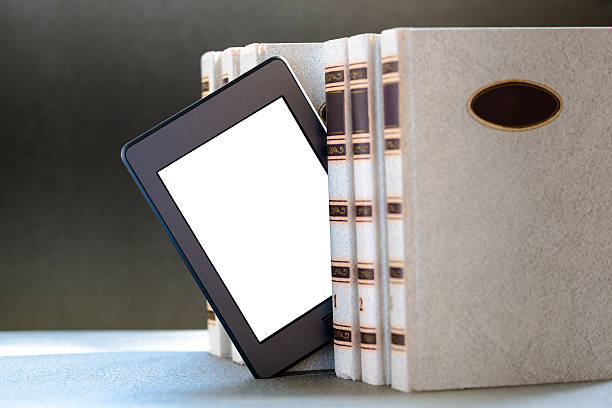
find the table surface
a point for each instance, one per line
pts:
(173, 368)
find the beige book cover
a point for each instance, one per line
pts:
(507, 181)
(370, 220)
(345, 297)
(393, 148)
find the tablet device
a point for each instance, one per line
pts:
(238, 180)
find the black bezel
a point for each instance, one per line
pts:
(200, 122)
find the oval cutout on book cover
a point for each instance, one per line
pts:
(515, 105)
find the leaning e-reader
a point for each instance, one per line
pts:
(238, 180)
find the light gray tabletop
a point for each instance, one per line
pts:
(173, 368)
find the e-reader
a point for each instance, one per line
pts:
(238, 180)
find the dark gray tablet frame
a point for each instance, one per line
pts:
(187, 130)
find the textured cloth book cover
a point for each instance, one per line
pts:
(492, 151)
(364, 66)
(508, 279)
(345, 297)
(393, 147)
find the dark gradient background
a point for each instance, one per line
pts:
(79, 246)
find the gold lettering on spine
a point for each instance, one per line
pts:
(366, 274)
(341, 270)
(398, 339)
(338, 210)
(394, 208)
(342, 335)
(396, 272)
(333, 76)
(336, 151)
(390, 65)
(367, 337)
(364, 211)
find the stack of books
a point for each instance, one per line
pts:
(470, 201)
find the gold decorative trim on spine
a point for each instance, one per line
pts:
(362, 148)
(338, 210)
(341, 271)
(334, 74)
(336, 151)
(398, 339)
(358, 73)
(394, 208)
(390, 65)
(364, 211)
(367, 338)
(396, 272)
(343, 336)
(366, 274)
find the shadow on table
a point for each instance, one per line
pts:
(316, 385)
(165, 378)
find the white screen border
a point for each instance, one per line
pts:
(313, 151)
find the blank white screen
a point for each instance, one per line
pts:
(256, 199)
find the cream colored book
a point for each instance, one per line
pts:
(210, 69)
(505, 148)
(347, 353)
(210, 72)
(370, 220)
(393, 147)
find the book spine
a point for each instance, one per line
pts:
(206, 73)
(345, 297)
(230, 67)
(215, 346)
(369, 239)
(210, 65)
(249, 57)
(394, 145)
(381, 193)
